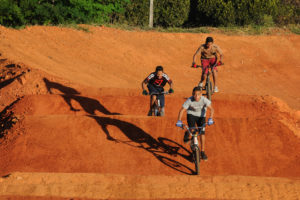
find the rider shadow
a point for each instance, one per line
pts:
(134, 133)
(89, 105)
(145, 141)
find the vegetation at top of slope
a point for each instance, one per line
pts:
(167, 13)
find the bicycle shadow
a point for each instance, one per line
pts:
(89, 105)
(138, 138)
(143, 140)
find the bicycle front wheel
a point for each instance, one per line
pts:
(196, 154)
(209, 90)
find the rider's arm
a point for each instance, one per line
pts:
(182, 110)
(211, 111)
(220, 52)
(171, 84)
(218, 56)
(146, 80)
(198, 51)
(144, 85)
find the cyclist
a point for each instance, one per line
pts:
(155, 83)
(211, 56)
(196, 107)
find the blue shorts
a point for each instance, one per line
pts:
(161, 97)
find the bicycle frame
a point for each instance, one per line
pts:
(194, 141)
(208, 84)
(157, 107)
(194, 144)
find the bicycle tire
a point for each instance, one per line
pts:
(209, 89)
(196, 154)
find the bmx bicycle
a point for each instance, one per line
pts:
(157, 110)
(208, 87)
(194, 144)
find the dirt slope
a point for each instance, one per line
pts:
(111, 58)
(71, 103)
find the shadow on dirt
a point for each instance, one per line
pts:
(64, 89)
(89, 105)
(9, 73)
(140, 139)
(137, 137)
(9, 81)
(7, 119)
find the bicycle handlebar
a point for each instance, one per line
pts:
(158, 93)
(210, 66)
(198, 129)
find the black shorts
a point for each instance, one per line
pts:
(193, 120)
(161, 97)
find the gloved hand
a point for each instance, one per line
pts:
(210, 121)
(194, 65)
(171, 90)
(179, 123)
(145, 92)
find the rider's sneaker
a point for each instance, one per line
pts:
(216, 89)
(203, 156)
(186, 137)
(200, 85)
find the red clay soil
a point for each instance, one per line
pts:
(71, 103)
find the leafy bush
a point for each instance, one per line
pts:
(137, 13)
(167, 13)
(171, 13)
(10, 14)
(16, 12)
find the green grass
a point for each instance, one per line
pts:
(268, 29)
(294, 28)
(76, 27)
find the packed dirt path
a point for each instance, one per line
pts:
(73, 117)
(93, 186)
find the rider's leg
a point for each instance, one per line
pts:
(202, 79)
(202, 140)
(215, 73)
(191, 120)
(162, 104)
(215, 76)
(151, 89)
(200, 123)
(153, 100)
(205, 64)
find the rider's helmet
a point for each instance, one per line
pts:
(159, 68)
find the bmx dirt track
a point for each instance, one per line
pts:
(73, 122)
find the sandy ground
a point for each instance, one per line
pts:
(74, 124)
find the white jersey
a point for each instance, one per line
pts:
(196, 108)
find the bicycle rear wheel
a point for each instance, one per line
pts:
(196, 154)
